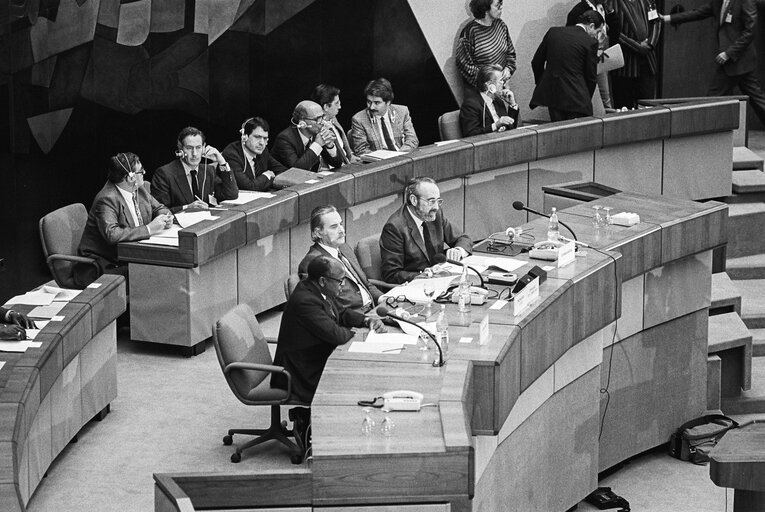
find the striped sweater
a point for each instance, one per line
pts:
(479, 45)
(635, 28)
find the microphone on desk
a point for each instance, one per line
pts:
(382, 312)
(518, 205)
(440, 258)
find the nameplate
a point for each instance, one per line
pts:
(526, 297)
(566, 254)
(483, 331)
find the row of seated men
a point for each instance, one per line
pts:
(202, 175)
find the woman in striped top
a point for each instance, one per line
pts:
(485, 40)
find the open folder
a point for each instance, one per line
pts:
(612, 58)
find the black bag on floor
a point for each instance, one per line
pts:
(695, 439)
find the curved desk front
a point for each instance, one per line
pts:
(521, 422)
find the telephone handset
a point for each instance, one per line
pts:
(402, 400)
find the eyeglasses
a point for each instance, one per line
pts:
(341, 282)
(394, 302)
(316, 119)
(433, 201)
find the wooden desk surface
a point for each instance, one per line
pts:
(738, 460)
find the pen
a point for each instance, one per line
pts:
(392, 349)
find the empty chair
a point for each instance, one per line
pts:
(60, 233)
(449, 125)
(247, 366)
(289, 285)
(368, 254)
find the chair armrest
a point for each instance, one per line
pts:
(73, 259)
(382, 284)
(271, 340)
(239, 365)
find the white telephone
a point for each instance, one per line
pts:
(402, 400)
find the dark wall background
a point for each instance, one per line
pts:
(138, 98)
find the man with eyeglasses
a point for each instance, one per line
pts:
(248, 158)
(310, 142)
(491, 108)
(123, 211)
(417, 232)
(312, 326)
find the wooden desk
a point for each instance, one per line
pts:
(738, 461)
(48, 393)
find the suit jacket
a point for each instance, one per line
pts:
(171, 188)
(346, 147)
(402, 248)
(109, 223)
(565, 70)
(350, 296)
(246, 177)
(475, 117)
(612, 20)
(365, 137)
(291, 152)
(311, 328)
(734, 38)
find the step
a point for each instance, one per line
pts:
(744, 158)
(725, 295)
(746, 182)
(758, 342)
(729, 339)
(745, 228)
(751, 401)
(746, 267)
(753, 197)
(752, 302)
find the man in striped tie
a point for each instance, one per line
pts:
(382, 125)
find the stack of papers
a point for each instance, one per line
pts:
(414, 290)
(186, 219)
(380, 154)
(18, 346)
(245, 196)
(49, 311)
(383, 343)
(44, 295)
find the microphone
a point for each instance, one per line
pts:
(518, 205)
(382, 311)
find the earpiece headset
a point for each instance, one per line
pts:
(492, 88)
(127, 168)
(241, 130)
(297, 124)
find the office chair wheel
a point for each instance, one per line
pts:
(236, 457)
(228, 441)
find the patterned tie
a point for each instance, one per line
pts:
(137, 209)
(194, 184)
(352, 273)
(386, 133)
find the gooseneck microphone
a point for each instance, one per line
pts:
(440, 258)
(382, 311)
(518, 205)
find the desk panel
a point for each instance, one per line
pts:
(260, 269)
(640, 125)
(703, 117)
(266, 217)
(554, 170)
(336, 189)
(445, 162)
(504, 149)
(379, 179)
(635, 166)
(568, 137)
(695, 168)
(107, 298)
(488, 196)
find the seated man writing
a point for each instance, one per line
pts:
(13, 325)
(417, 231)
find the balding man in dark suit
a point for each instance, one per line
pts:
(565, 68)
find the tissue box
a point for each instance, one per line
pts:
(625, 219)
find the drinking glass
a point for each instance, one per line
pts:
(368, 423)
(429, 289)
(597, 218)
(387, 426)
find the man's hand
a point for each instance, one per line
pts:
(504, 121)
(376, 325)
(198, 204)
(645, 48)
(455, 253)
(327, 135)
(269, 174)
(157, 224)
(12, 332)
(666, 18)
(722, 58)
(21, 320)
(213, 154)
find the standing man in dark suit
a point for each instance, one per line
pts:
(122, 212)
(248, 158)
(491, 108)
(328, 237)
(416, 232)
(190, 181)
(565, 68)
(309, 143)
(735, 22)
(312, 326)
(382, 125)
(328, 96)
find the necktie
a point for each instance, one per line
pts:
(194, 184)
(352, 273)
(724, 11)
(137, 209)
(428, 243)
(386, 134)
(254, 168)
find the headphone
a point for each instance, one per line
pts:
(241, 130)
(127, 168)
(492, 88)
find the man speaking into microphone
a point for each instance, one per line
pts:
(417, 232)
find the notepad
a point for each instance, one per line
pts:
(47, 311)
(245, 196)
(18, 346)
(375, 348)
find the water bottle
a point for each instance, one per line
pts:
(463, 292)
(552, 227)
(442, 330)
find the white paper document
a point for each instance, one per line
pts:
(33, 298)
(396, 338)
(61, 293)
(47, 311)
(171, 232)
(245, 196)
(415, 289)
(484, 262)
(18, 346)
(381, 154)
(156, 240)
(186, 219)
(414, 332)
(375, 348)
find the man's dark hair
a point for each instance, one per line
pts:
(249, 126)
(316, 216)
(324, 94)
(484, 75)
(380, 88)
(189, 130)
(591, 16)
(479, 8)
(120, 165)
(319, 267)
